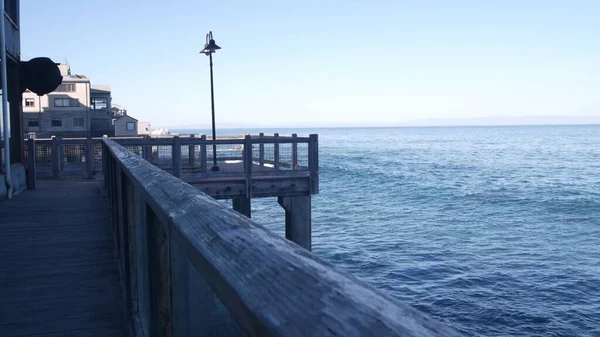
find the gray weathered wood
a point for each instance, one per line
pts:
(142, 316)
(61, 153)
(89, 157)
(261, 151)
(276, 153)
(58, 273)
(294, 152)
(298, 222)
(147, 149)
(192, 153)
(31, 156)
(271, 286)
(54, 157)
(203, 154)
(313, 163)
(266, 186)
(176, 156)
(132, 289)
(242, 205)
(248, 165)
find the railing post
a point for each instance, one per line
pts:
(147, 149)
(313, 163)
(276, 152)
(54, 157)
(89, 157)
(105, 173)
(294, 151)
(203, 152)
(192, 152)
(176, 156)
(261, 150)
(61, 153)
(248, 164)
(31, 156)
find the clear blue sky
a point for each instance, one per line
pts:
(328, 62)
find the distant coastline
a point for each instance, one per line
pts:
(459, 122)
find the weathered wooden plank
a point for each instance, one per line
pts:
(276, 152)
(89, 157)
(176, 156)
(203, 154)
(57, 270)
(313, 163)
(248, 165)
(298, 222)
(54, 157)
(192, 154)
(294, 152)
(271, 286)
(31, 171)
(261, 187)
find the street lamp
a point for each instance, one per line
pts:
(209, 48)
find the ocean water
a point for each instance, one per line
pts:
(493, 230)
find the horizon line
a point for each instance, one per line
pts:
(375, 126)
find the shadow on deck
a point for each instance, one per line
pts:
(58, 274)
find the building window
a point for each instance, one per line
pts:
(29, 102)
(66, 102)
(66, 87)
(99, 103)
(56, 122)
(77, 121)
(33, 122)
(130, 126)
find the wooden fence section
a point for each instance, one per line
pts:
(183, 156)
(192, 267)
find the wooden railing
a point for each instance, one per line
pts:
(57, 157)
(192, 267)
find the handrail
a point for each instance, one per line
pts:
(177, 247)
(59, 156)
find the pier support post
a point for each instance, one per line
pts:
(242, 205)
(298, 227)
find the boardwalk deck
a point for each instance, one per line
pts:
(58, 275)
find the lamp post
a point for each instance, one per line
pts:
(209, 48)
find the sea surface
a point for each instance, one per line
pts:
(493, 230)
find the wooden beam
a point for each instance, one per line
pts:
(203, 155)
(147, 149)
(89, 157)
(55, 157)
(176, 156)
(192, 153)
(243, 206)
(31, 157)
(276, 153)
(313, 163)
(261, 151)
(294, 152)
(298, 222)
(270, 286)
(248, 165)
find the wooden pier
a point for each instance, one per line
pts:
(58, 273)
(249, 167)
(186, 264)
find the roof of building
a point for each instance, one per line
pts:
(100, 89)
(121, 117)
